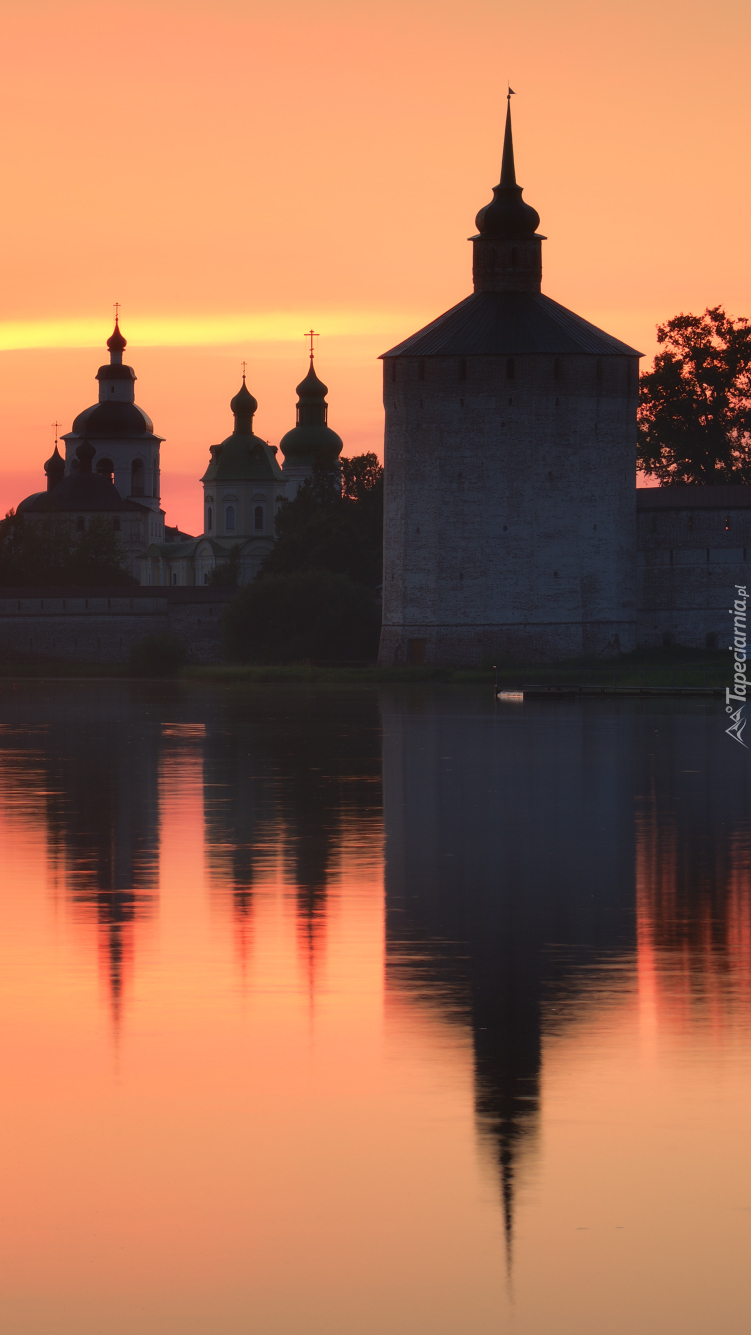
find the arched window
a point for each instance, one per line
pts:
(136, 478)
(229, 519)
(258, 519)
(209, 519)
(174, 577)
(510, 370)
(105, 468)
(205, 576)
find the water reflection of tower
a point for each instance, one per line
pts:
(693, 867)
(98, 756)
(509, 861)
(284, 773)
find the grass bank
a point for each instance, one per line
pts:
(646, 667)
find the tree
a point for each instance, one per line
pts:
(49, 550)
(695, 403)
(227, 572)
(335, 522)
(309, 615)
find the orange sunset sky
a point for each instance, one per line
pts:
(235, 171)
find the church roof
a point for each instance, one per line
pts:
(243, 458)
(76, 493)
(112, 421)
(494, 324)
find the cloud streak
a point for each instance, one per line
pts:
(197, 330)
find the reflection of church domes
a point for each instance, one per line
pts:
(311, 439)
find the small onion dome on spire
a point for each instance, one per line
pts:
(312, 437)
(116, 342)
(85, 454)
(243, 405)
(507, 216)
(54, 468)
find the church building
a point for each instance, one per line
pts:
(243, 487)
(111, 466)
(510, 441)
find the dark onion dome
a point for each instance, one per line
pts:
(508, 324)
(311, 438)
(107, 421)
(242, 456)
(116, 342)
(507, 216)
(54, 468)
(244, 408)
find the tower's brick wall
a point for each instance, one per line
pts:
(509, 507)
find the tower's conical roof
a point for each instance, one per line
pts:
(507, 216)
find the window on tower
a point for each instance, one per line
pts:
(105, 468)
(209, 519)
(136, 478)
(229, 519)
(258, 519)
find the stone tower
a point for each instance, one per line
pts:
(510, 457)
(311, 439)
(126, 450)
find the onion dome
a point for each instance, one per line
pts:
(55, 469)
(311, 439)
(85, 454)
(507, 216)
(116, 342)
(243, 457)
(244, 406)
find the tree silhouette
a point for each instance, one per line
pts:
(695, 403)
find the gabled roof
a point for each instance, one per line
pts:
(79, 492)
(510, 324)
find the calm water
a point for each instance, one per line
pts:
(376, 1012)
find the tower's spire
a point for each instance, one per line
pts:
(508, 171)
(507, 250)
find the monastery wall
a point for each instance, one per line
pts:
(694, 545)
(102, 625)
